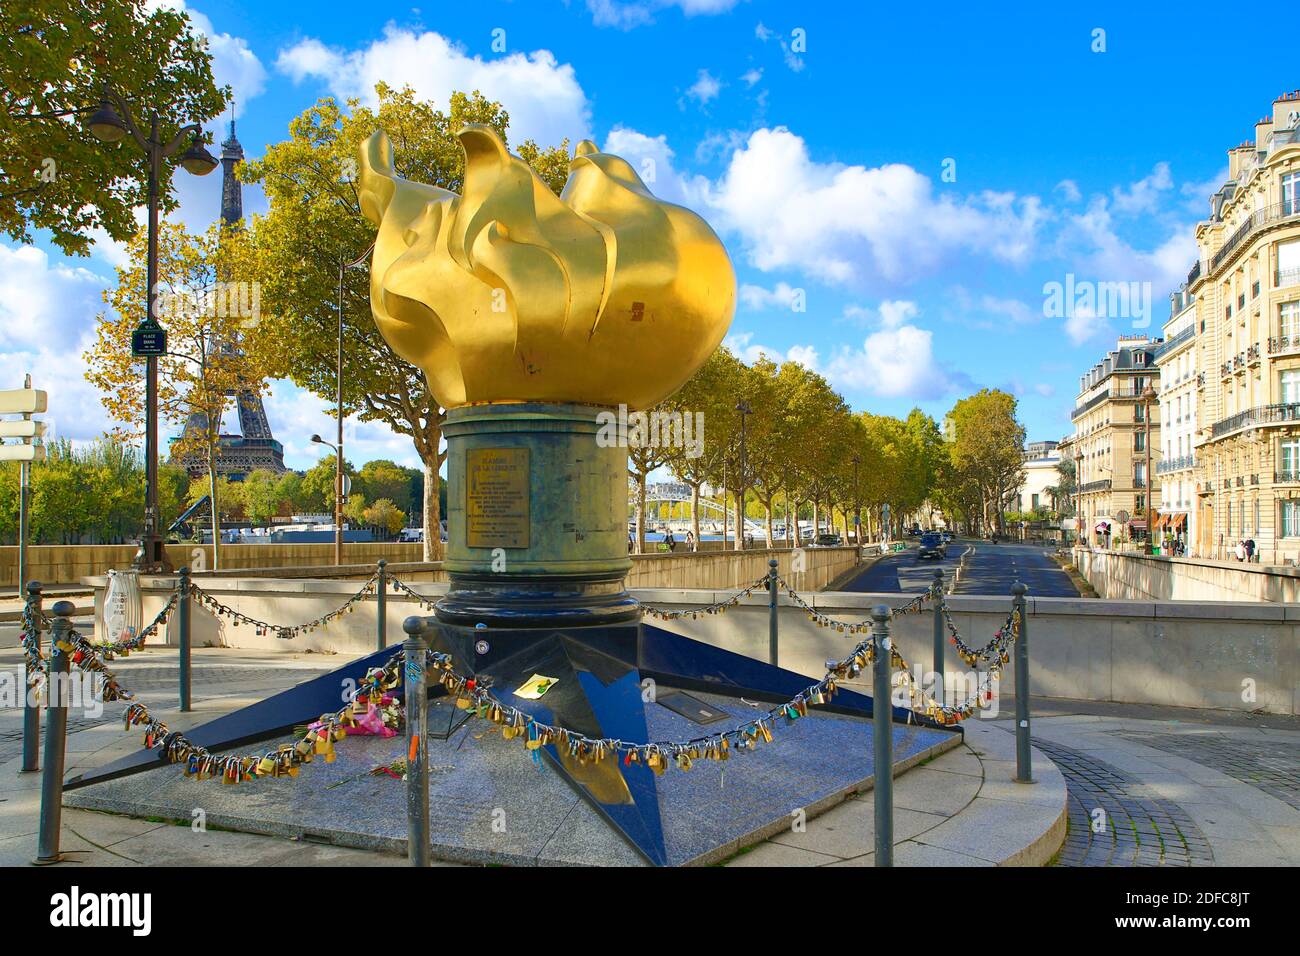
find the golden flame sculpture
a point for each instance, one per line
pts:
(602, 296)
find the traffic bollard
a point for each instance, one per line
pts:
(56, 731)
(938, 634)
(1024, 770)
(415, 652)
(882, 727)
(31, 703)
(771, 613)
(183, 641)
(381, 609)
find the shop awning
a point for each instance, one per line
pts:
(1138, 524)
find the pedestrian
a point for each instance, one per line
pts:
(670, 540)
(690, 540)
(1241, 551)
(629, 542)
(1250, 550)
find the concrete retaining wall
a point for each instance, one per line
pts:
(1212, 655)
(1157, 577)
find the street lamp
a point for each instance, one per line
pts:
(1148, 400)
(743, 408)
(338, 495)
(112, 122)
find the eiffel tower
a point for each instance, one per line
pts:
(255, 446)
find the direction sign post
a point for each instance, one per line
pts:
(25, 401)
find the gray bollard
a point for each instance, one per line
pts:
(183, 625)
(381, 608)
(47, 841)
(882, 727)
(32, 707)
(1024, 770)
(771, 613)
(938, 634)
(415, 653)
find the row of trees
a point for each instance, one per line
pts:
(95, 495)
(780, 436)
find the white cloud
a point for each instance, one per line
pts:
(544, 99)
(1083, 324)
(845, 223)
(653, 159)
(627, 14)
(742, 344)
(233, 62)
(895, 361)
(757, 298)
(750, 77)
(705, 88)
(296, 414)
(1091, 244)
(1144, 195)
(1069, 189)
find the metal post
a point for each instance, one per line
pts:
(771, 613)
(882, 727)
(938, 633)
(31, 706)
(1024, 772)
(417, 737)
(381, 627)
(47, 845)
(183, 617)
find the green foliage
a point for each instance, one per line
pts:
(55, 57)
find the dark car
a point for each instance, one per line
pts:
(931, 546)
(825, 540)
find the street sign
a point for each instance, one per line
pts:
(24, 428)
(1122, 516)
(22, 401)
(149, 338)
(22, 452)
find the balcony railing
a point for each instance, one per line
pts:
(1180, 463)
(1269, 215)
(1255, 417)
(1288, 476)
(1174, 341)
(1102, 484)
(1252, 355)
(1200, 380)
(1281, 344)
(1225, 370)
(1286, 277)
(1120, 392)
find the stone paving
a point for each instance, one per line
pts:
(1265, 765)
(1115, 821)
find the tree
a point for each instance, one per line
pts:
(262, 495)
(205, 366)
(381, 478)
(706, 395)
(55, 58)
(384, 514)
(986, 446)
(316, 489)
(315, 222)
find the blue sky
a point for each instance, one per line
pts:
(815, 138)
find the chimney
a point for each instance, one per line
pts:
(1286, 111)
(1263, 128)
(1237, 157)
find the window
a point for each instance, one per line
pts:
(1290, 518)
(1229, 517)
(1289, 458)
(1290, 382)
(1256, 524)
(1291, 193)
(1139, 441)
(1289, 319)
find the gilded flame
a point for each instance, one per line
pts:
(603, 295)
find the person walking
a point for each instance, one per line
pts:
(690, 540)
(1250, 550)
(670, 540)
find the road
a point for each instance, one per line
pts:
(990, 570)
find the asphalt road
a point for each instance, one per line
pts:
(990, 570)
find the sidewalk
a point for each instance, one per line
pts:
(1174, 787)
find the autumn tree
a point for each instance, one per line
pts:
(56, 58)
(986, 446)
(205, 367)
(315, 224)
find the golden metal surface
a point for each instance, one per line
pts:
(604, 295)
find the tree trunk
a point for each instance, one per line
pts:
(740, 519)
(212, 506)
(771, 538)
(432, 515)
(695, 516)
(817, 517)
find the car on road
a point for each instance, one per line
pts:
(825, 540)
(931, 546)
